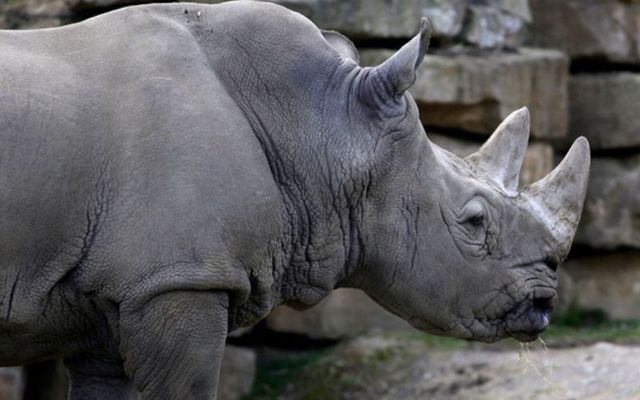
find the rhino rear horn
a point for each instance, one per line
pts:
(502, 155)
(562, 192)
(398, 72)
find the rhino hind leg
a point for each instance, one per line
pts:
(98, 377)
(174, 344)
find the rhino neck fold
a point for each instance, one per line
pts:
(289, 100)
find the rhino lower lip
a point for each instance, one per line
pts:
(537, 319)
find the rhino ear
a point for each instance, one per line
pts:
(342, 45)
(561, 193)
(502, 155)
(398, 72)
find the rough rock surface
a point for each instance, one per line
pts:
(475, 93)
(605, 29)
(609, 282)
(491, 28)
(611, 216)
(237, 373)
(519, 8)
(604, 108)
(344, 313)
(378, 368)
(33, 14)
(483, 23)
(446, 16)
(369, 18)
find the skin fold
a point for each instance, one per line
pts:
(169, 173)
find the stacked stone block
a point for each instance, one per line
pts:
(602, 39)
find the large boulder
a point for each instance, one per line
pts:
(609, 282)
(401, 368)
(602, 29)
(611, 216)
(474, 92)
(604, 108)
(344, 313)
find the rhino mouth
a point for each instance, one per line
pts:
(527, 320)
(523, 310)
(524, 322)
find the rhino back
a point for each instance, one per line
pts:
(126, 168)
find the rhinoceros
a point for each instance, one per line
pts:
(169, 173)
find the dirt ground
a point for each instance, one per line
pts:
(600, 371)
(389, 368)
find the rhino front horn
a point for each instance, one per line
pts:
(501, 157)
(561, 193)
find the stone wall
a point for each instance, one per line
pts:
(578, 71)
(602, 40)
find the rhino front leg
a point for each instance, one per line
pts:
(174, 344)
(94, 377)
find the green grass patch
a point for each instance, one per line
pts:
(559, 333)
(272, 376)
(330, 371)
(610, 331)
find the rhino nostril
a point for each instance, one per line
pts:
(543, 304)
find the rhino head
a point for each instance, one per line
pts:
(457, 249)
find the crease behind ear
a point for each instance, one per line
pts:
(342, 45)
(398, 72)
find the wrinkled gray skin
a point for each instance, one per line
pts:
(172, 172)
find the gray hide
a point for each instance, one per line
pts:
(171, 172)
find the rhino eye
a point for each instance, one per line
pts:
(473, 213)
(476, 220)
(472, 219)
